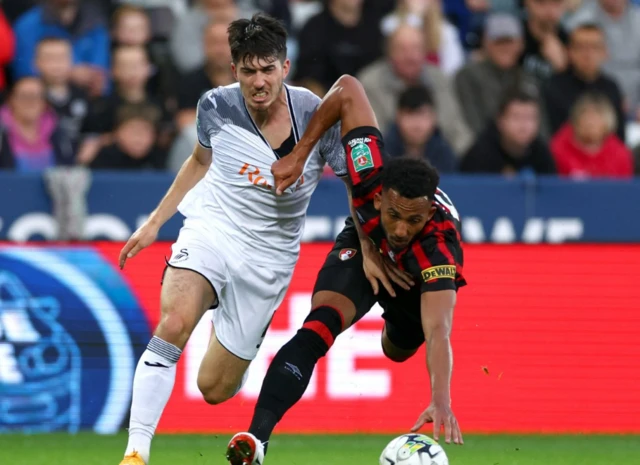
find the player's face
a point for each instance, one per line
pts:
(261, 81)
(402, 218)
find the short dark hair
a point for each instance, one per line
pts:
(584, 26)
(410, 177)
(262, 36)
(415, 97)
(522, 92)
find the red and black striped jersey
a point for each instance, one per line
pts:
(434, 257)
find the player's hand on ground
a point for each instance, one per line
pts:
(440, 415)
(374, 268)
(286, 171)
(143, 237)
(398, 276)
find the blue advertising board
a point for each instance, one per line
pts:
(493, 209)
(71, 331)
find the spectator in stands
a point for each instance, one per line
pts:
(278, 9)
(13, 9)
(215, 72)
(132, 26)
(481, 84)
(7, 49)
(186, 41)
(174, 7)
(587, 52)
(588, 146)
(415, 132)
(342, 39)
(30, 139)
(131, 71)
(512, 143)
(620, 21)
(442, 41)
(545, 38)
(54, 62)
(470, 15)
(405, 66)
(133, 144)
(83, 24)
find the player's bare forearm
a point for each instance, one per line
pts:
(364, 239)
(437, 317)
(191, 172)
(346, 102)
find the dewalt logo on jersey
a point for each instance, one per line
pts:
(439, 272)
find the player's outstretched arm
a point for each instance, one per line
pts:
(436, 309)
(192, 171)
(346, 102)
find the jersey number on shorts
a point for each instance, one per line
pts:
(444, 200)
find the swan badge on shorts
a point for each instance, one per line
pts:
(181, 256)
(70, 334)
(346, 254)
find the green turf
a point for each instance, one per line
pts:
(89, 449)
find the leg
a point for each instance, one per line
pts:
(289, 373)
(249, 301)
(221, 374)
(342, 295)
(402, 334)
(391, 350)
(196, 273)
(185, 297)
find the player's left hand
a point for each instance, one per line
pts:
(440, 414)
(286, 171)
(373, 266)
(398, 276)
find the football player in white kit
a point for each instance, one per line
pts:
(240, 241)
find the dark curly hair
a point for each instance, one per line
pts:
(410, 177)
(262, 36)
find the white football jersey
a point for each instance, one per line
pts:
(237, 196)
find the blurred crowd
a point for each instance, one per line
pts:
(505, 87)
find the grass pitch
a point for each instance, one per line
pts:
(90, 449)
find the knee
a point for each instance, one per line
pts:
(396, 356)
(216, 389)
(173, 328)
(394, 353)
(217, 392)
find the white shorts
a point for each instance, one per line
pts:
(247, 295)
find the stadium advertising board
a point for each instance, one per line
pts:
(541, 210)
(544, 336)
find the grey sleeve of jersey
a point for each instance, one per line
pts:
(332, 150)
(208, 121)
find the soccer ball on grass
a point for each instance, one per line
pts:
(413, 449)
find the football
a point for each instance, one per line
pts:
(413, 449)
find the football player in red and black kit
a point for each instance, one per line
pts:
(407, 232)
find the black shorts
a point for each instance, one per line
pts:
(342, 272)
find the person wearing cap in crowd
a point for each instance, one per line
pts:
(480, 85)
